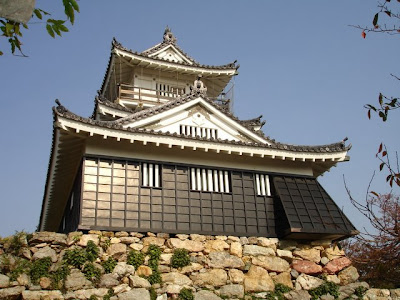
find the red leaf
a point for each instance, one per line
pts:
(384, 153)
(363, 34)
(375, 194)
(381, 166)
(380, 148)
(369, 114)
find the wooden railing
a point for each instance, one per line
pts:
(133, 93)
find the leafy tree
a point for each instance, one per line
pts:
(12, 30)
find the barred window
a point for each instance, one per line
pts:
(151, 175)
(262, 185)
(198, 131)
(209, 180)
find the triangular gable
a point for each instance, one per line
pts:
(171, 53)
(196, 117)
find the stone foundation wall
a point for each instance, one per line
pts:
(221, 267)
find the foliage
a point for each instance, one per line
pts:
(105, 244)
(109, 265)
(135, 258)
(326, 288)
(11, 30)
(5, 264)
(92, 251)
(40, 268)
(91, 272)
(277, 294)
(75, 257)
(15, 243)
(109, 295)
(153, 293)
(360, 291)
(186, 294)
(376, 255)
(93, 297)
(180, 258)
(59, 276)
(21, 266)
(154, 252)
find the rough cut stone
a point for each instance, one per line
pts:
(232, 291)
(377, 294)
(215, 245)
(49, 237)
(254, 250)
(138, 282)
(11, 293)
(324, 260)
(268, 242)
(348, 275)
(258, 280)
(395, 294)
(244, 240)
(348, 290)
(224, 260)
(39, 295)
(24, 280)
(86, 294)
(144, 271)
(172, 289)
(176, 278)
(234, 238)
(271, 263)
(165, 258)
(152, 240)
(45, 283)
(236, 249)
(337, 265)
(283, 278)
(197, 237)
(123, 269)
(108, 280)
(140, 294)
(307, 282)
(136, 246)
(88, 237)
(116, 250)
(162, 297)
(286, 254)
(77, 281)
(189, 245)
(236, 276)
(306, 267)
(45, 252)
(309, 254)
(333, 252)
(4, 281)
(205, 295)
(333, 278)
(215, 277)
(191, 268)
(297, 295)
(122, 288)
(287, 244)
(121, 234)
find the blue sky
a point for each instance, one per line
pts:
(302, 67)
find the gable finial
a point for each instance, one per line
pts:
(169, 36)
(198, 88)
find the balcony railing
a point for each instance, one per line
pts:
(147, 96)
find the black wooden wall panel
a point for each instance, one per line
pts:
(113, 199)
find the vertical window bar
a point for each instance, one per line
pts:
(258, 184)
(226, 182)
(198, 175)
(262, 179)
(221, 181)
(156, 175)
(216, 180)
(204, 177)
(145, 175)
(193, 181)
(151, 175)
(267, 186)
(210, 180)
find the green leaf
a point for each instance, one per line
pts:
(382, 115)
(380, 98)
(75, 5)
(50, 30)
(1, 53)
(9, 29)
(38, 14)
(56, 30)
(375, 21)
(63, 28)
